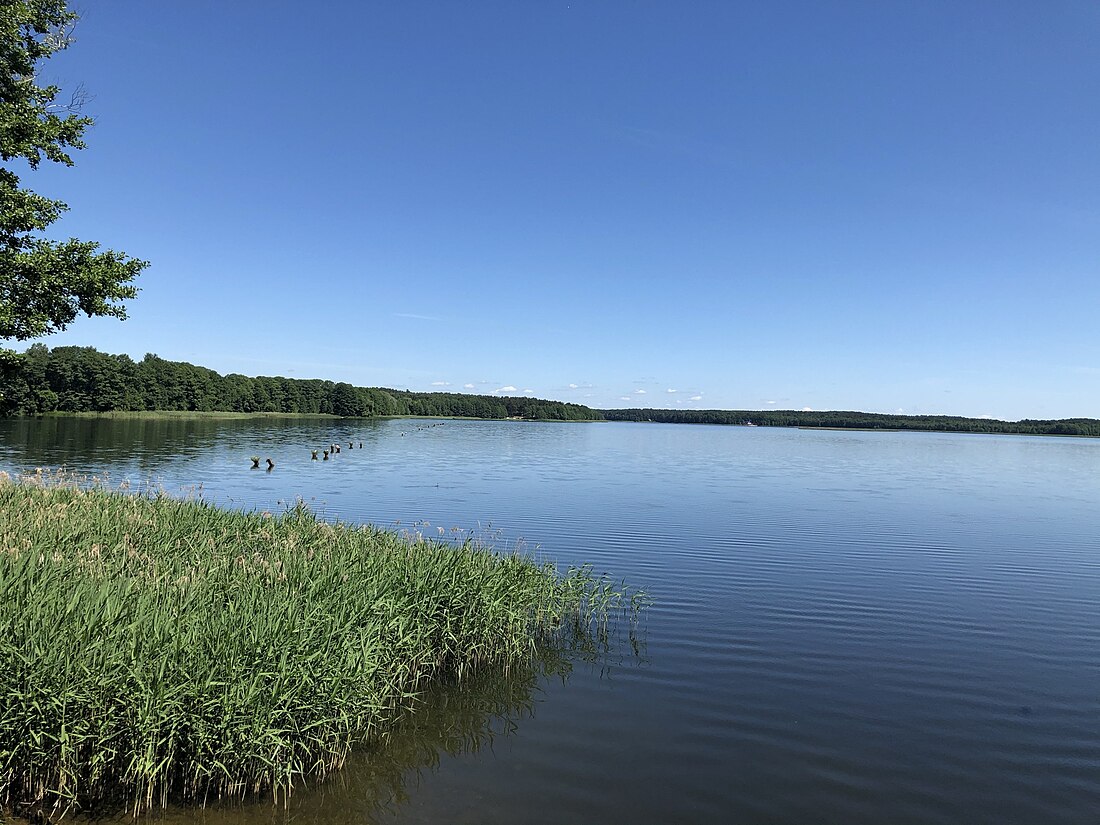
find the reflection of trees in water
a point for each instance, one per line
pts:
(144, 445)
(140, 442)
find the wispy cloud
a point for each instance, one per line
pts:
(624, 397)
(467, 386)
(572, 386)
(639, 392)
(416, 317)
(668, 141)
(509, 388)
(807, 409)
(528, 391)
(696, 398)
(441, 383)
(670, 390)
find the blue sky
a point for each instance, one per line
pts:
(849, 205)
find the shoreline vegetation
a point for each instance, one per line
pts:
(215, 415)
(167, 414)
(155, 649)
(82, 380)
(854, 420)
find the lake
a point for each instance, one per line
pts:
(848, 627)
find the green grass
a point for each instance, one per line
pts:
(156, 649)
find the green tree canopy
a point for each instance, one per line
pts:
(45, 284)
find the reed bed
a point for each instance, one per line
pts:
(156, 649)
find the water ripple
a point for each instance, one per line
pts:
(848, 627)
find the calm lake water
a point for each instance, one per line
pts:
(848, 627)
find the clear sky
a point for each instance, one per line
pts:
(884, 206)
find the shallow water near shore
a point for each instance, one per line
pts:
(848, 627)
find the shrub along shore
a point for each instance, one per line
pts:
(156, 649)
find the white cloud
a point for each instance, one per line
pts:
(572, 386)
(639, 392)
(807, 409)
(467, 386)
(414, 316)
(528, 391)
(441, 383)
(509, 388)
(624, 397)
(900, 411)
(696, 398)
(671, 390)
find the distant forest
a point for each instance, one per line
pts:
(82, 379)
(861, 421)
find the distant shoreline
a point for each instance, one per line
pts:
(213, 415)
(860, 421)
(85, 382)
(154, 414)
(866, 429)
(216, 415)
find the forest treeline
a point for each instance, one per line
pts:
(861, 421)
(82, 379)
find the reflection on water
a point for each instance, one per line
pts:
(453, 719)
(848, 627)
(152, 445)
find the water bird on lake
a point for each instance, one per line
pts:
(326, 455)
(314, 456)
(255, 462)
(270, 465)
(351, 446)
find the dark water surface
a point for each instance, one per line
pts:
(849, 627)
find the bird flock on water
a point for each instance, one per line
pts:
(334, 449)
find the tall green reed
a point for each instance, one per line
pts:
(153, 648)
